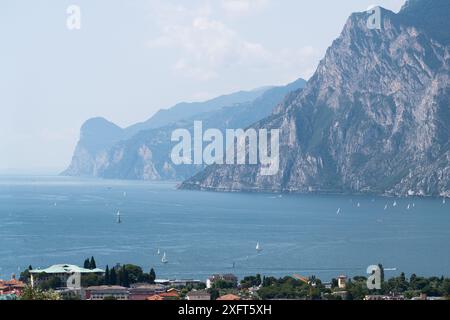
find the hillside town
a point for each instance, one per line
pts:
(130, 282)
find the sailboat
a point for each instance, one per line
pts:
(443, 201)
(159, 252)
(164, 259)
(409, 207)
(385, 207)
(258, 247)
(119, 220)
(359, 205)
(338, 211)
(395, 204)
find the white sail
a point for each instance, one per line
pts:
(258, 247)
(159, 252)
(164, 258)
(338, 211)
(119, 220)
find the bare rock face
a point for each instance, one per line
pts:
(375, 117)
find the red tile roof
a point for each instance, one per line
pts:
(229, 297)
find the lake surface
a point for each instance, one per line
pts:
(52, 220)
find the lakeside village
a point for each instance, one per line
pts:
(130, 282)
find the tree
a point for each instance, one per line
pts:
(107, 277)
(125, 277)
(258, 280)
(25, 275)
(87, 264)
(50, 283)
(215, 294)
(30, 293)
(113, 277)
(92, 264)
(152, 276)
(91, 279)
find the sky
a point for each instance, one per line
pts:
(131, 58)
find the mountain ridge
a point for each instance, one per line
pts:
(374, 118)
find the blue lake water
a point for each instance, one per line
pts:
(205, 233)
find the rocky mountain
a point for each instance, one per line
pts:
(374, 118)
(142, 151)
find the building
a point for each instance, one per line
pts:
(221, 277)
(11, 287)
(178, 283)
(167, 296)
(229, 297)
(200, 295)
(62, 271)
(384, 298)
(107, 292)
(342, 282)
(143, 291)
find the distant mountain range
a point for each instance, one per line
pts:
(142, 151)
(374, 118)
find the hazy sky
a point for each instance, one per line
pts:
(133, 57)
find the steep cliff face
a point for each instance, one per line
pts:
(142, 151)
(97, 135)
(375, 117)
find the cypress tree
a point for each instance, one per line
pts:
(152, 276)
(107, 277)
(86, 264)
(113, 277)
(92, 264)
(125, 277)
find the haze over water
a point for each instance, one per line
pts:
(52, 220)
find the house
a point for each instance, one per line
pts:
(200, 295)
(143, 291)
(61, 271)
(342, 282)
(11, 287)
(177, 283)
(107, 292)
(384, 298)
(172, 295)
(229, 297)
(221, 277)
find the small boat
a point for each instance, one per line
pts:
(359, 205)
(408, 207)
(164, 259)
(443, 201)
(258, 247)
(159, 252)
(338, 211)
(385, 207)
(394, 204)
(119, 219)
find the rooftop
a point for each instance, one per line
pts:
(66, 268)
(106, 288)
(229, 297)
